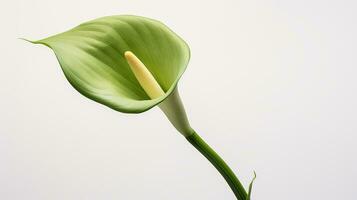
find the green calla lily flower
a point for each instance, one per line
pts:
(92, 58)
(131, 64)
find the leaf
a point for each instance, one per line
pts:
(91, 56)
(251, 186)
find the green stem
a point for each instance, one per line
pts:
(173, 108)
(219, 164)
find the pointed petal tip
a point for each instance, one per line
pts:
(27, 40)
(35, 41)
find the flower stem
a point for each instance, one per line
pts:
(219, 164)
(174, 110)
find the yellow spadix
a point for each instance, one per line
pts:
(144, 76)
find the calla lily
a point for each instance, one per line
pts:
(131, 64)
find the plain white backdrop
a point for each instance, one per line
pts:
(271, 85)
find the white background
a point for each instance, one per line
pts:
(271, 86)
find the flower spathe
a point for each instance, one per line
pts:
(92, 58)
